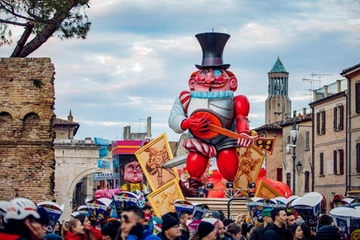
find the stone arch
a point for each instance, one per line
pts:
(6, 121)
(9, 111)
(31, 124)
(66, 196)
(80, 176)
(31, 109)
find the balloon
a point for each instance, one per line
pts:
(262, 173)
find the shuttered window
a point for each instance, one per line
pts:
(307, 141)
(322, 131)
(335, 162)
(307, 182)
(341, 161)
(321, 164)
(335, 119)
(357, 157)
(318, 123)
(339, 118)
(357, 97)
(279, 174)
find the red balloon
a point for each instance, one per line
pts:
(262, 173)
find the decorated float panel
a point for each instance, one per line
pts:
(54, 211)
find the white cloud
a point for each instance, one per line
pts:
(139, 55)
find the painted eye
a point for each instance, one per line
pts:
(217, 73)
(204, 72)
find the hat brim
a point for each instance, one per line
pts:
(224, 66)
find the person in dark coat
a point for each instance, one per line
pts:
(170, 228)
(328, 232)
(266, 219)
(275, 230)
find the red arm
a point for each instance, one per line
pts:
(242, 109)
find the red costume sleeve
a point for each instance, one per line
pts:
(242, 109)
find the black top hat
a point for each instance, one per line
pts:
(212, 45)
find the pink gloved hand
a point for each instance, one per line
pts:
(246, 140)
(195, 123)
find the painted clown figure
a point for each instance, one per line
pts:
(211, 101)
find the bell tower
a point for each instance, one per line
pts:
(278, 103)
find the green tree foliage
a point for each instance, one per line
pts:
(42, 19)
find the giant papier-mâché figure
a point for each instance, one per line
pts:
(211, 100)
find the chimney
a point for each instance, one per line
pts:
(325, 91)
(338, 85)
(127, 130)
(148, 127)
(304, 112)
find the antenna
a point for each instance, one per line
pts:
(320, 75)
(311, 82)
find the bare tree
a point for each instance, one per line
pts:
(42, 19)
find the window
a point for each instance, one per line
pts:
(339, 118)
(335, 162)
(321, 164)
(341, 161)
(357, 157)
(279, 174)
(307, 181)
(288, 179)
(320, 123)
(307, 141)
(357, 97)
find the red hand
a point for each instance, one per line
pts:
(195, 123)
(246, 140)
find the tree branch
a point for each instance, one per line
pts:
(13, 23)
(47, 31)
(12, 11)
(24, 37)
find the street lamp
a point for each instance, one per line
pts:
(293, 134)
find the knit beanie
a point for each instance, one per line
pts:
(168, 222)
(204, 229)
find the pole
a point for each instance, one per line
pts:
(294, 153)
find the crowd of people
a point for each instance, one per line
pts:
(26, 221)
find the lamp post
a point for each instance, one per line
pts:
(294, 134)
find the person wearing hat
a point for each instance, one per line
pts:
(266, 219)
(211, 100)
(214, 214)
(206, 231)
(22, 221)
(170, 228)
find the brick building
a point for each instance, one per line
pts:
(353, 134)
(27, 159)
(329, 140)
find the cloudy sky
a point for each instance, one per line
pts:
(139, 55)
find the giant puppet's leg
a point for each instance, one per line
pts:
(228, 163)
(196, 164)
